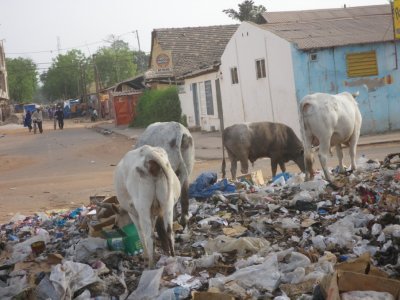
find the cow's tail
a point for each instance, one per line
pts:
(307, 139)
(183, 172)
(223, 166)
(156, 164)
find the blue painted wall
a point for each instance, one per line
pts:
(379, 98)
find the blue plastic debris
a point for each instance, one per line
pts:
(12, 237)
(206, 185)
(285, 175)
(75, 213)
(322, 211)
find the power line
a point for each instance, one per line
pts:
(69, 48)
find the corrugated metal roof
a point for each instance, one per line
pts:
(195, 48)
(332, 27)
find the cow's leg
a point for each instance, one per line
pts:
(162, 234)
(244, 165)
(185, 203)
(322, 154)
(282, 166)
(339, 153)
(274, 167)
(233, 160)
(170, 234)
(352, 149)
(146, 229)
(308, 155)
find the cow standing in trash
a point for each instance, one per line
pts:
(147, 188)
(250, 141)
(177, 141)
(329, 120)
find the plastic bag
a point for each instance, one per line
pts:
(317, 185)
(14, 289)
(70, 276)
(45, 290)
(293, 261)
(149, 285)
(85, 248)
(176, 293)
(365, 164)
(224, 244)
(366, 295)
(176, 265)
(22, 250)
(262, 277)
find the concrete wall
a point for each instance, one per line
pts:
(266, 99)
(207, 122)
(378, 100)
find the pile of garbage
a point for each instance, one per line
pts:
(285, 239)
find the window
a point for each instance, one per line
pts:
(209, 97)
(260, 66)
(361, 64)
(234, 75)
(313, 57)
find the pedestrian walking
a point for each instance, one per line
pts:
(60, 117)
(28, 120)
(37, 118)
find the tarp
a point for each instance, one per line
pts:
(206, 185)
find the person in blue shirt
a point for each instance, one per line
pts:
(28, 120)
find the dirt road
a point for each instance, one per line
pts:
(57, 169)
(63, 168)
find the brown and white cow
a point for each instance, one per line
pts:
(329, 120)
(147, 188)
(177, 141)
(250, 141)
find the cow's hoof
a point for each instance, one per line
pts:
(184, 220)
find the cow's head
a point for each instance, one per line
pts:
(299, 159)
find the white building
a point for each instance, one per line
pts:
(257, 80)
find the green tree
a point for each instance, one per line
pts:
(22, 79)
(141, 59)
(158, 106)
(64, 79)
(247, 12)
(114, 63)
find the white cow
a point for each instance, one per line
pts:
(177, 140)
(329, 120)
(148, 188)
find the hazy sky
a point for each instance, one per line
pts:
(32, 28)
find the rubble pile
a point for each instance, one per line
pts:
(287, 239)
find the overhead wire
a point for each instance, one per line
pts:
(68, 48)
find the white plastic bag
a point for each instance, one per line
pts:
(263, 277)
(70, 276)
(149, 285)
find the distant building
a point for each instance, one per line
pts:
(267, 69)
(190, 58)
(4, 98)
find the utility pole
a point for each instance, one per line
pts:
(138, 41)
(84, 84)
(58, 45)
(96, 76)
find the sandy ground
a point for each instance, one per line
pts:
(59, 168)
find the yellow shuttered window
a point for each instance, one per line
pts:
(361, 64)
